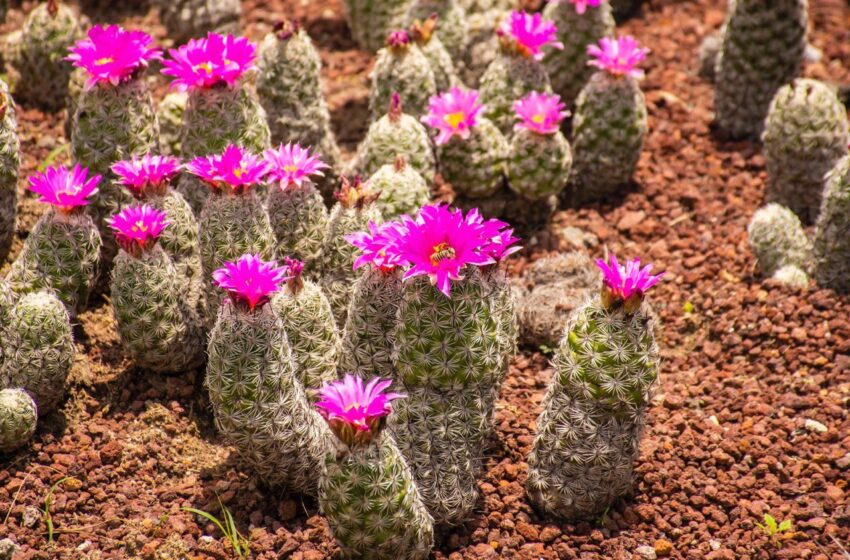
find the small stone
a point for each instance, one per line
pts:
(646, 552)
(8, 549)
(206, 540)
(714, 545)
(815, 426)
(663, 547)
(84, 546)
(31, 517)
(630, 220)
(843, 462)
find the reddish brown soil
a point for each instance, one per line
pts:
(727, 440)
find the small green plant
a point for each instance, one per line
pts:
(241, 545)
(48, 501)
(774, 530)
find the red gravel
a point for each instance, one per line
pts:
(727, 440)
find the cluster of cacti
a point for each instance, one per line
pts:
(402, 189)
(594, 410)
(452, 31)
(763, 48)
(401, 68)
(831, 244)
(10, 161)
(184, 19)
(423, 34)
(371, 21)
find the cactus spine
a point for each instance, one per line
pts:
(299, 218)
(185, 19)
(423, 35)
(170, 116)
(452, 31)
(776, 236)
(831, 266)
(18, 418)
(402, 190)
(371, 21)
(508, 78)
(10, 161)
(482, 45)
(475, 166)
(401, 67)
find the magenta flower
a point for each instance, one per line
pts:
(137, 227)
(210, 61)
(375, 246)
(66, 190)
(618, 57)
(250, 280)
(453, 113)
(581, 5)
(140, 173)
(541, 113)
(398, 40)
(350, 408)
(235, 168)
(292, 165)
(112, 54)
(529, 33)
(624, 282)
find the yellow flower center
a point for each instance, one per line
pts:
(205, 66)
(442, 251)
(139, 226)
(104, 60)
(290, 168)
(537, 119)
(238, 172)
(454, 119)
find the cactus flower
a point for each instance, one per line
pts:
(625, 283)
(250, 280)
(529, 33)
(210, 61)
(541, 113)
(234, 168)
(354, 412)
(453, 113)
(398, 40)
(64, 189)
(137, 227)
(140, 173)
(292, 165)
(112, 54)
(374, 246)
(618, 57)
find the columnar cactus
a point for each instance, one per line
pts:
(423, 35)
(185, 19)
(371, 21)
(402, 190)
(48, 31)
(580, 23)
(159, 327)
(18, 419)
(366, 483)
(10, 161)
(310, 327)
(258, 402)
(518, 70)
(777, 238)
(805, 135)
(594, 410)
(61, 252)
(394, 134)
(401, 68)
(470, 149)
(831, 267)
(452, 31)
(39, 349)
(763, 48)
(169, 112)
(609, 124)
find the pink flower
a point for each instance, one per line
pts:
(453, 113)
(375, 246)
(349, 403)
(619, 57)
(66, 190)
(294, 267)
(398, 40)
(139, 173)
(292, 165)
(137, 227)
(112, 54)
(209, 61)
(235, 168)
(530, 33)
(581, 5)
(250, 280)
(623, 282)
(541, 113)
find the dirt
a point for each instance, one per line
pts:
(748, 365)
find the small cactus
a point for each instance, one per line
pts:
(10, 161)
(18, 419)
(777, 238)
(452, 31)
(831, 256)
(169, 113)
(371, 21)
(424, 36)
(401, 68)
(403, 190)
(482, 45)
(793, 276)
(185, 19)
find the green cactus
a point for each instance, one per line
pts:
(170, 115)
(18, 418)
(831, 267)
(776, 236)
(805, 135)
(187, 19)
(475, 166)
(609, 127)
(402, 190)
(763, 48)
(423, 35)
(371, 21)
(568, 69)
(180, 239)
(539, 164)
(39, 348)
(452, 31)
(508, 78)
(482, 46)
(259, 404)
(299, 218)
(10, 161)
(61, 253)
(401, 68)
(793, 276)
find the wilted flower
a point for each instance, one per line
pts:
(250, 280)
(137, 227)
(529, 33)
(292, 165)
(210, 61)
(540, 112)
(626, 283)
(148, 172)
(374, 246)
(619, 57)
(66, 190)
(235, 168)
(453, 113)
(112, 54)
(356, 413)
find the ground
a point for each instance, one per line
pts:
(751, 415)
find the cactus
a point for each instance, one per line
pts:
(258, 403)
(402, 190)
(609, 124)
(482, 45)
(831, 256)
(47, 33)
(580, 23)
(366, 483)
(371, 21)
(394, 134)
(481, 6)
(518, 70)
(185, 19)
(793, 276)
(169, 113)
(471, 150)
(158, 324)
(709, 52)
(39, 349)
(763, 48)
(594, 409)
(10, 161)
(18, 418)
(805, 135)
(309, 323)
(401, 68)
(424, 37)
(61, 252)
(452, 31)
(776, 236)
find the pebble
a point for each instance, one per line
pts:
(8, 549)
(815, 426)
(663, 547)
(646, 552)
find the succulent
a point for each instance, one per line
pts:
(185, 19)
(47, 33)
(793, 276)
(776, 236)
(763, 48)
(366, 490)
(258, 402)
(452, 31)
(441, 61)
(580, 23)
(371, 21)
(609, 124)
(10, 161)
(18, 418)
(518, 70)
(831, 267)
(402, 190)
(169, 112)
(805, 135)
(401, 68)
(482, 45)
